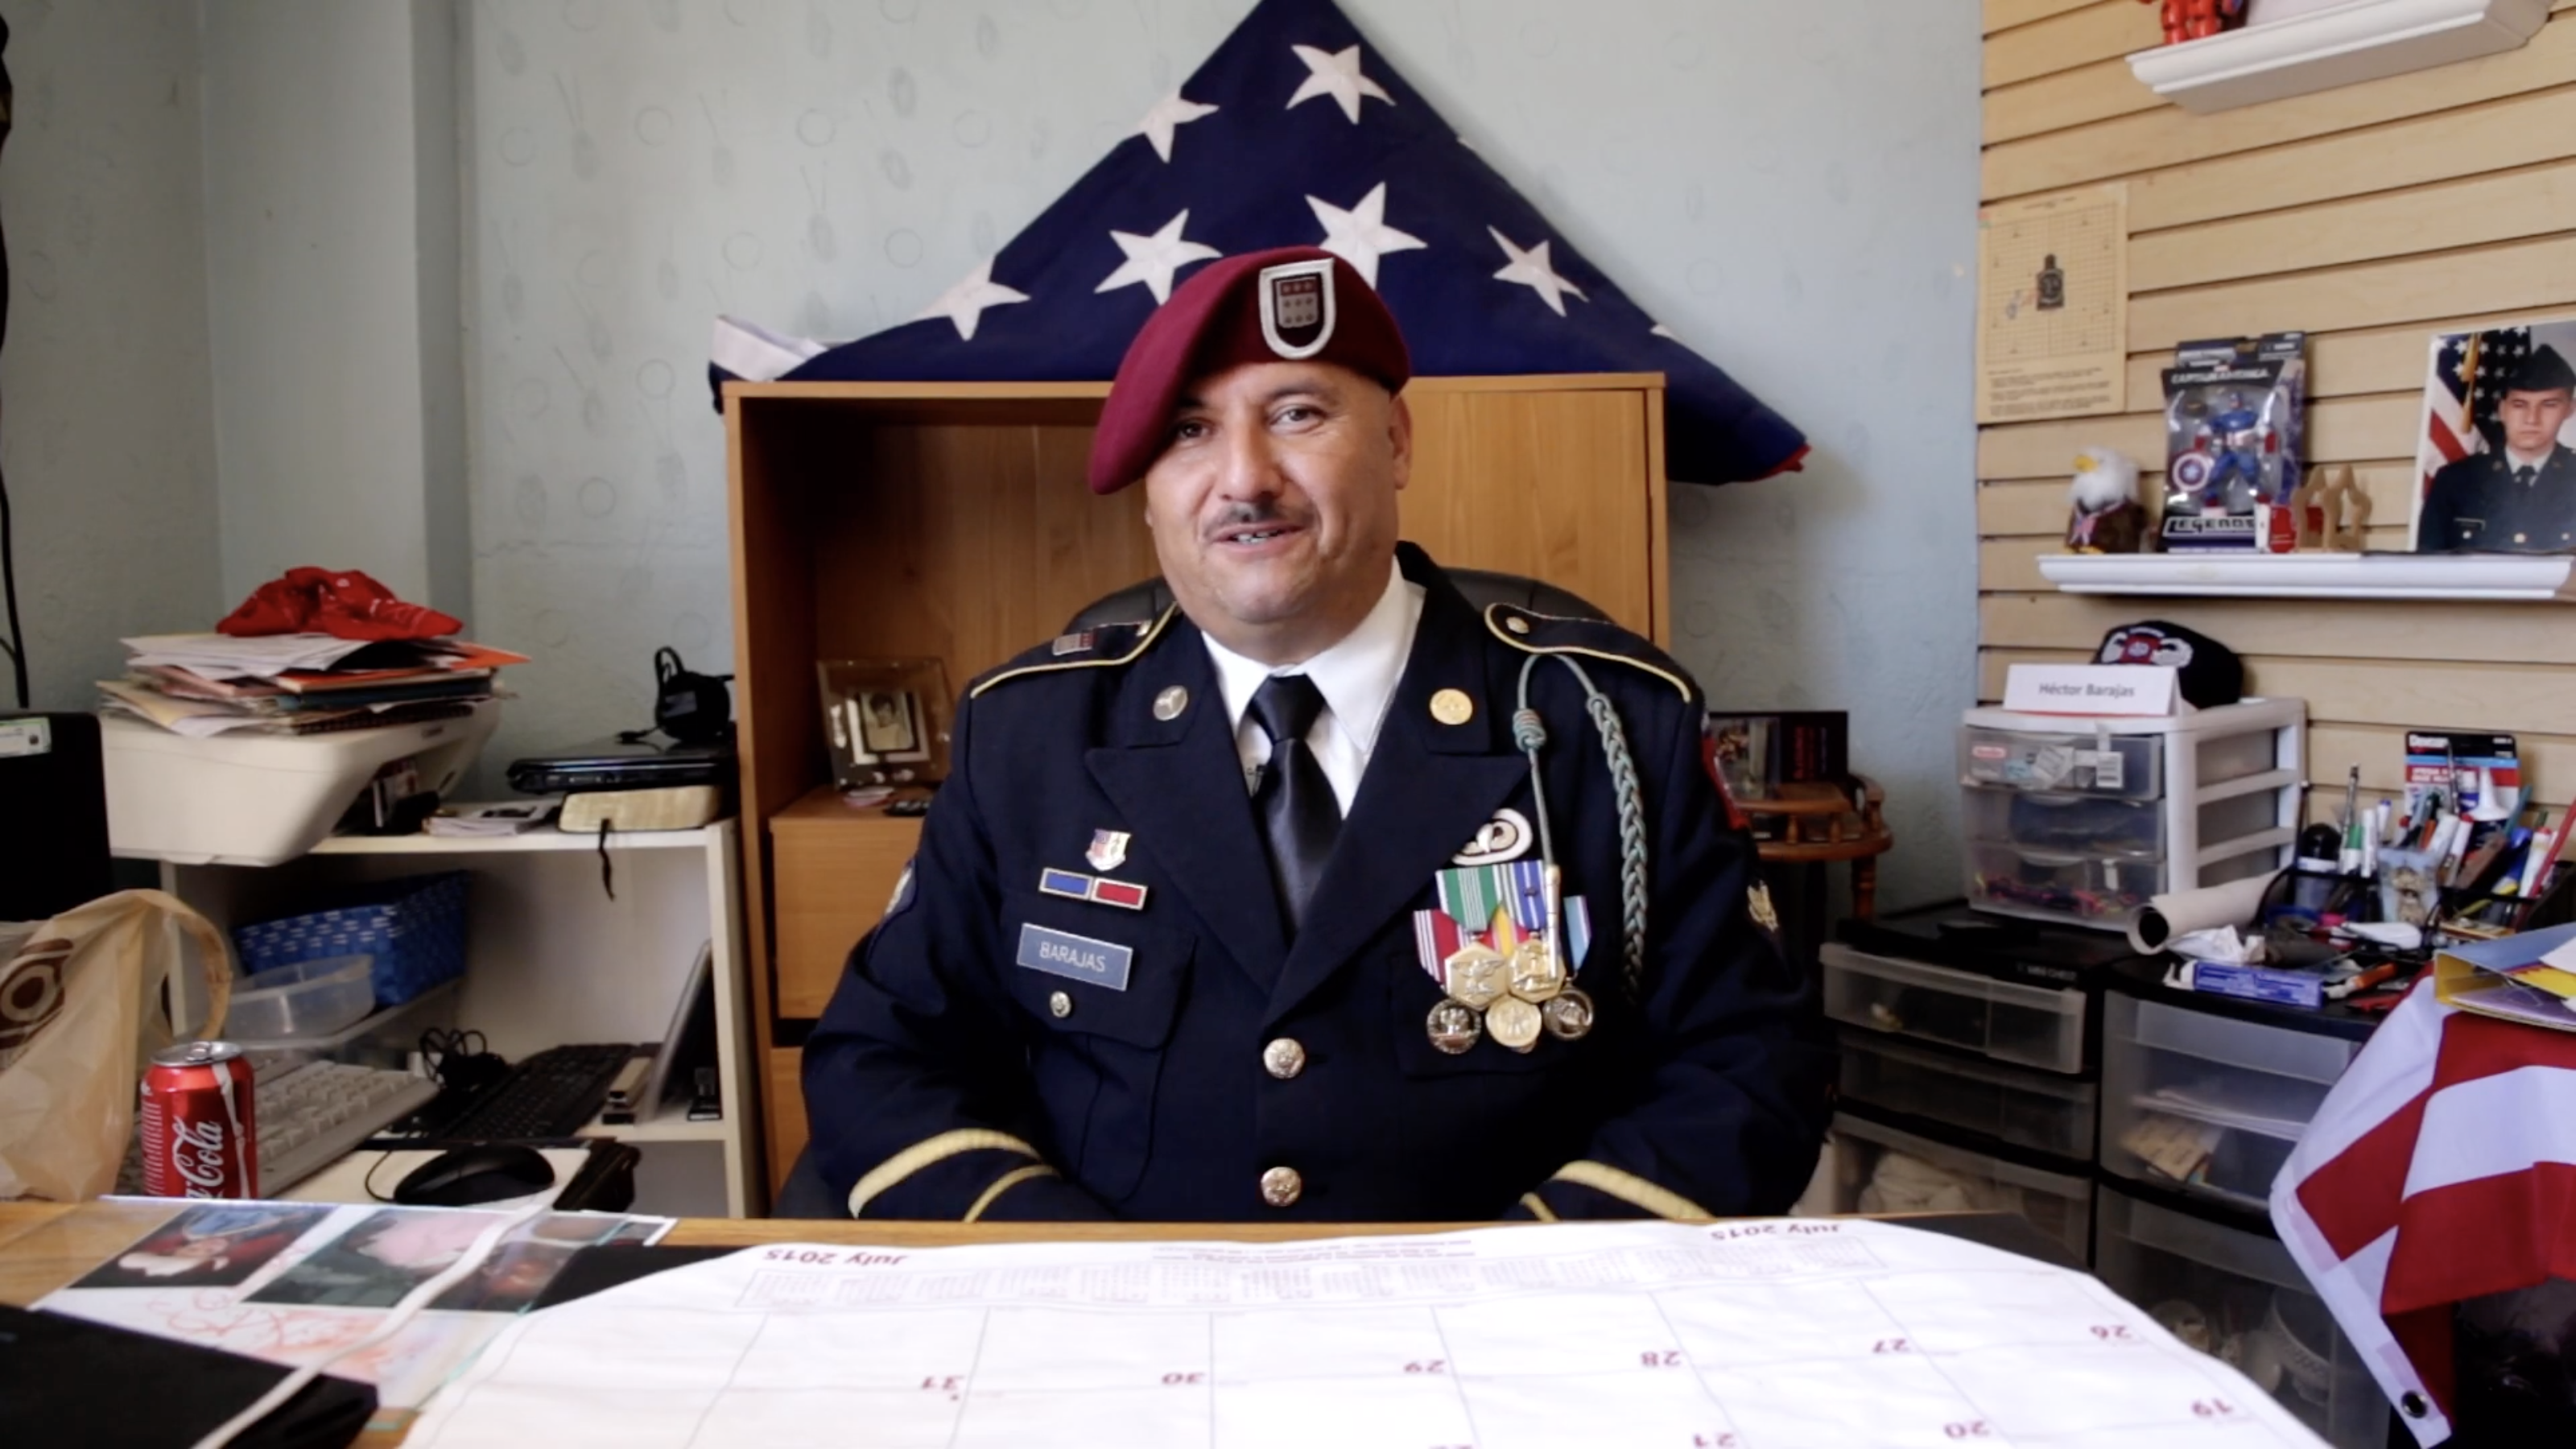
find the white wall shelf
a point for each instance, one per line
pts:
(2361, 40)
(2483, 578)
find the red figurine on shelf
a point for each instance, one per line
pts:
(2193, 19)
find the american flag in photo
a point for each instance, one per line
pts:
(2469, 369)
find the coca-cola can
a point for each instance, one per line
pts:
(199, 1138)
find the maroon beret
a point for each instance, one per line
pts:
(1275, 306)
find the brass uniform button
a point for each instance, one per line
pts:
(1284, 1058)
(1516, 624)
(1452, 707)
(1060, 1004)
(1281, 1187)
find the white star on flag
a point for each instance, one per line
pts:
(964, 303)
(1531, 269)
(1169, 115)
(1336, 73)
(1360, 235)
(1153, 259)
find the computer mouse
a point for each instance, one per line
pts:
(484, 1172)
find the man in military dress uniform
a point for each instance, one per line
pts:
(2520, 498)
(1256, 909)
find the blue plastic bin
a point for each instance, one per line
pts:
(414, 927)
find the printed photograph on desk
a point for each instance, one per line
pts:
(2495, 461)
(382, 1257)
(885, 720)
(219, 1245)
(526, 1261)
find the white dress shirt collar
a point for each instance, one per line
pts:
(1357, 677)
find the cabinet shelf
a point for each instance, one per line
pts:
(2484, 578)
(669, 1127)
(552, 956)
(546, 838)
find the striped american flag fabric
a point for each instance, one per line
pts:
(2442, 1167)
(2469, 371)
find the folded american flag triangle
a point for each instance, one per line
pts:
(1297, 131)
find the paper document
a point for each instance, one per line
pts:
(222, 656)
(2053, 306)
(1795, 1332)
(2523, 978)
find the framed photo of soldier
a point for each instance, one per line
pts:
(884, 720)
(2496, 460)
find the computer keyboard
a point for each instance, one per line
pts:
(553, 1093)
(312, 1113)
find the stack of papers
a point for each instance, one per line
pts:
(493, 818)
(2530, 978)
(298, 684)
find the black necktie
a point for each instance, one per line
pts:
(1299, 816)
(2523, 475)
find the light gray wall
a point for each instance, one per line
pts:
(1790, 187)
(332, 197)
(107, 434)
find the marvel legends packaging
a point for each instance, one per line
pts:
(2233, 432)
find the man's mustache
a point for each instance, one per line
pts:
(1249, 513)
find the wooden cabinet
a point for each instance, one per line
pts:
(950, 520)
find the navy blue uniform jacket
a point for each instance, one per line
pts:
(943, 1083)
(2476, 504)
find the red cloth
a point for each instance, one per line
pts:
(343, 603)
(1214, 322)
(2440, 1168)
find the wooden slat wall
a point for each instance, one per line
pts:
(2372, 216)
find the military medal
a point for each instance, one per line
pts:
(1504, 946)
(1454, 1026)
(1536, 974)
(1477, 974)
(1514, 1023)
(1567, 1015)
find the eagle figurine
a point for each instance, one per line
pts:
(2106, 517)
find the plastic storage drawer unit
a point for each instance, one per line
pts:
(2126, 766)
(2036, 1110)
(1883, 1169)
(2236, 1295)
(2038, 1026)
(2215, 1102)
(2090, 825)
(2104, 891)
(2081, 820)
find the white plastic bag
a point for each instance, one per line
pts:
(81, 1008)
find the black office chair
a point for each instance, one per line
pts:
(803, 1195)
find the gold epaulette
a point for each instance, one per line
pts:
(1099, 647)
(1535, 633)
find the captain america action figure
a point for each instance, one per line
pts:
(1324, 895)
(2236, 455)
